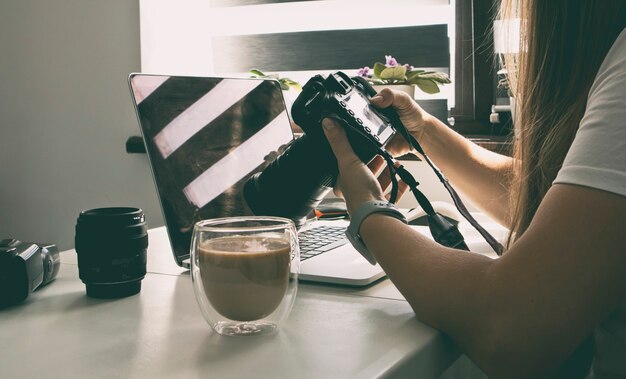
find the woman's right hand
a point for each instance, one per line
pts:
(411, 114)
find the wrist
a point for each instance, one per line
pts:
(426, 127)
(427, 134)
(364, 212)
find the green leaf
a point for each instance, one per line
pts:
(427, 85)
(438, 77)
(378, 68)
(414, 72)
(375, 82)
(289, 81)
(256, 72)
(394, 73)
(290, 84)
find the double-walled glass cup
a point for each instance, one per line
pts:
(245, 272)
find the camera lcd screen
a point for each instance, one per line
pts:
(361, 108)
(205, 137)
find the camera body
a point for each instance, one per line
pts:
(341, 97)
(24, 267)
(296, 182)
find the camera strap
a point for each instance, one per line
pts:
(458, 203)
(443, 231)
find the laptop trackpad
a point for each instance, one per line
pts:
(342, 265)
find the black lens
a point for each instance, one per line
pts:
(294, 183)
(111, 244)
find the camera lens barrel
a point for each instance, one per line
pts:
(111, 244)
(293, 184)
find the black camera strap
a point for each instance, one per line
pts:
(412, 141)
(443, 231)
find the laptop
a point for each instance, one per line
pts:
(205, 136)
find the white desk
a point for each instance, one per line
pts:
(332, 332)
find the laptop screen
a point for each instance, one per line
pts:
(205, 137)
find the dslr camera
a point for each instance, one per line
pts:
(298, 179)
(24, 267)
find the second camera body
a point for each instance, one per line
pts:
(293, 184)
(25, 267)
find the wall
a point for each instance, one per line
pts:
(65, 114)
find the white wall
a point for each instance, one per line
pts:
(65, 114)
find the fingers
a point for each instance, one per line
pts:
(377, 164)
(339, 143)
(397, 146)
(338, 193)
(387, 97)
(383, 99)
(384, 179)
(402, 188)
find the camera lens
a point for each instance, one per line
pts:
(295, 183)
(111, 244)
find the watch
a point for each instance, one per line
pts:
(364, 210)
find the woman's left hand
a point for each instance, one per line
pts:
(356, 181)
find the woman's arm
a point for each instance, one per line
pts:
(527, 311)
(480, 174)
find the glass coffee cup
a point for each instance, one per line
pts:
(245, 272)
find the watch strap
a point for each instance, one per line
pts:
(364, 210)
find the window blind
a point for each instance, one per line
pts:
(297, 38)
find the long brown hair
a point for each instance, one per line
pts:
(563, 44)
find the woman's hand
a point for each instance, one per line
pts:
(356, 182)
(411, 114)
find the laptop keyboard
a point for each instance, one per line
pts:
(320, 239)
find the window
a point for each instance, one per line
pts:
(473, 65)
(302, 38)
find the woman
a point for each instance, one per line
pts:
(563, 195)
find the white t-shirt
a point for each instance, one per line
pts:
(597, 159)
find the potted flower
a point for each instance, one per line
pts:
(403, 77)
(285, 83)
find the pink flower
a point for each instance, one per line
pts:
(364, 72)
(391, 61)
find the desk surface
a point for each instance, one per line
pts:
(160, 333)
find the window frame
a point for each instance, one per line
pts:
(474, 67)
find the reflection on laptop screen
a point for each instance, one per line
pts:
(205, 137)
